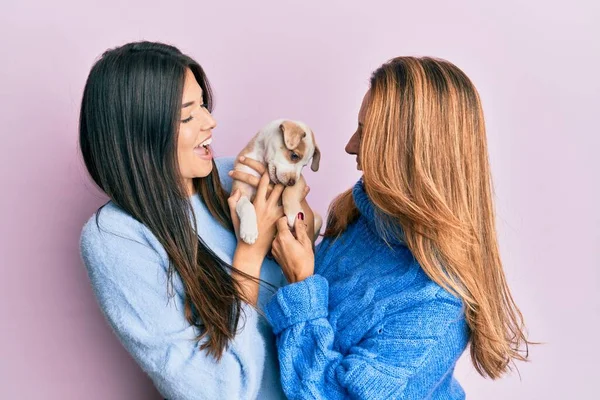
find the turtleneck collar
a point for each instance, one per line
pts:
(375, 218)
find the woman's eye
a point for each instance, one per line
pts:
(188, 119)
(295, 156)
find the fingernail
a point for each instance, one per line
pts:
(230, 173)
(242, 158)
(301, 216)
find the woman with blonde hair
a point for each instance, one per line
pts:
(409, 271)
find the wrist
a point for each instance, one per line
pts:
(302, 275)
(299, 278)
(247, 263)
(248, 259)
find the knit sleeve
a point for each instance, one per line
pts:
(393, 361)
(129, 279)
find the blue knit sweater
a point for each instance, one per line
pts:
(128, 271)
(369, 324)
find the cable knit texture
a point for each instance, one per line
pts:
(369, 324)
(127, 267)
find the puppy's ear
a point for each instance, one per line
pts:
(292, 134)
(316, 159)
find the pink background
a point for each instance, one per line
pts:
(535, 63)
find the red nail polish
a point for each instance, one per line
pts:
(301, 216)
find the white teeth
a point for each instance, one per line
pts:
(207, 142)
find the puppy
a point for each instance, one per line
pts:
(284, 147)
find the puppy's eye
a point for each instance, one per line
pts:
(295, 157)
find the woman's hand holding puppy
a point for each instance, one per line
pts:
(294, 255)
(293, 250)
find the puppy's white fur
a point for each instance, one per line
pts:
(275, 146)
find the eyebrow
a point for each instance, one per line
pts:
(189, 103)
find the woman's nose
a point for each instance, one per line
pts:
(348, 148)
(352, 145)
(213, 123)
(209, 121)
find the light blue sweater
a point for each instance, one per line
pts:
(369, 324)
(127, 267)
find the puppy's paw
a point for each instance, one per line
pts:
(291, 220)
(291, 210)
(248, 223)
(248, 233)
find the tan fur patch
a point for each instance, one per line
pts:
(292, 134)
(299, 151)
(245, 151)
(249, 147)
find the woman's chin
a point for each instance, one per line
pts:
(204, 170)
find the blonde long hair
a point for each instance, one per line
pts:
(431, 175)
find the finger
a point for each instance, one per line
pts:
(270, 189)
(232, 202)
(252, 163)
(301, 230)
(234, 198)
(280, 212)
(276, 194)
(276, 211)
(282, 225)
(263, 186)
(245, 177)
(283, 230)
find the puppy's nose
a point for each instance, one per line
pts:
(291, 182)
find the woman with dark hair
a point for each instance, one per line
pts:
(177, 287)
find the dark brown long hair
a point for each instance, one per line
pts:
(128, 133)
(431, 176)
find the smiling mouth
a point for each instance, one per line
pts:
(204, 145)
